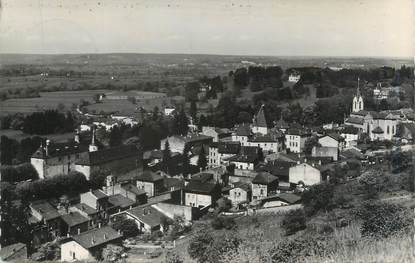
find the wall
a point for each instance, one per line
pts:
(325, 152)
(256, 191)
(88, 199)
(172, 210)
(237, 196)
(327, 141)
(80, 253)
(305, 173)
(148, 188)
(197, 200)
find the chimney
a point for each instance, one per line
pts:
(93, 240)
(105, 236)
(319, 162)
(77, 137)
(99, 225)
(119, 232)
(79, 231)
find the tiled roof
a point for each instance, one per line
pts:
(98, 194)
(149, 176)
(59, 149)
(74, 219)
(109, 155)
(86, 208)
(9, 251)
(264, 178)
(47, 211)
(335, 136)
(120, 201)
(299, 132)
(259, 118)
(262, 138)
(243, 158)
(146, 214)
(195, 186)
(281, 169)
(97, 237)
(244, 186)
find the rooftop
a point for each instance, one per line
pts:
(243, 130)
(264, 178)
(74, 219)
(133, 189)
(120, 201)
(146, 214)
(58, 149)
(96, 237)
(149, 176)
(9, 251)
(86, 208)
(259, 118)
(195, 186)
(109, 155)
(47, 211)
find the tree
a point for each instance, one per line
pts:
(193, 110)
(204, 247)
(7, 152)
(202, 161)
(115, 137)
(128, 227)
(220, 222)
(186, 169)
(310, 143)
(112, 253)
(318, 198)
(166, 157)
(294, 221)
(381, 219)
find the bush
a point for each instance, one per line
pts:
(294, 221)
(299, 248)
(223, 222)
(127, 227)
(318, 198)
(204, 247)
(381, 219)
(18, 173)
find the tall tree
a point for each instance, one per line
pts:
(166, 157)
(193, 110)
(202, 161)
(186, 161)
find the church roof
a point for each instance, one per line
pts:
(355, 120)
(259, 119)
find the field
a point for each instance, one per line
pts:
(51, 100)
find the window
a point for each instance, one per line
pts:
(387, 129)
(59, 159)
(393, 129)
(261, 192)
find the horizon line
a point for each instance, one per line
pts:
(210, 54)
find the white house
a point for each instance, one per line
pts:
(305, 173)
(240, 193)
(201, 194)
(88, 245)
(242, 134)
(294, 77)
(295, 140)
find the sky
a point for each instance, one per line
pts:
(240, 27)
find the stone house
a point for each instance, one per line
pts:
(295, 139)
(263, 185)
(240, 193)
(151, 182)
(201, 194)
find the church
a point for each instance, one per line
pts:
(378, 125)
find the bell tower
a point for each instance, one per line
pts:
(357, 99)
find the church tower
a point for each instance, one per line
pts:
(357, 99)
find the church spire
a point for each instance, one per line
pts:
(358, 87)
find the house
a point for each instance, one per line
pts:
(150, 182)
(97, 200)
(201, 194)
(44, 215)
(295, 139)
(92, 214)
(147, 218)
(278, 168)
(118, 159)
(177, 143)
(240, 193)
(219, 151)
(294, 77)
(57, 158)
(13, 253)
(126, 189)
(242, 134)
(350, 135)
(332, 140)
(216, 133)
(263, 185)
(305, 173)
(325, 151)
(269, 143)
(152, 157)
(169, 111)
(259, 122)
(243, 162)
(406, 132)
(74, 223)
(88, 245)
(118, 203)
(281, 125)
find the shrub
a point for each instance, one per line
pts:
(294, 221)
(318, 197)
(18, 173)
(127, 226)
(382, 219)
(223, 222)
